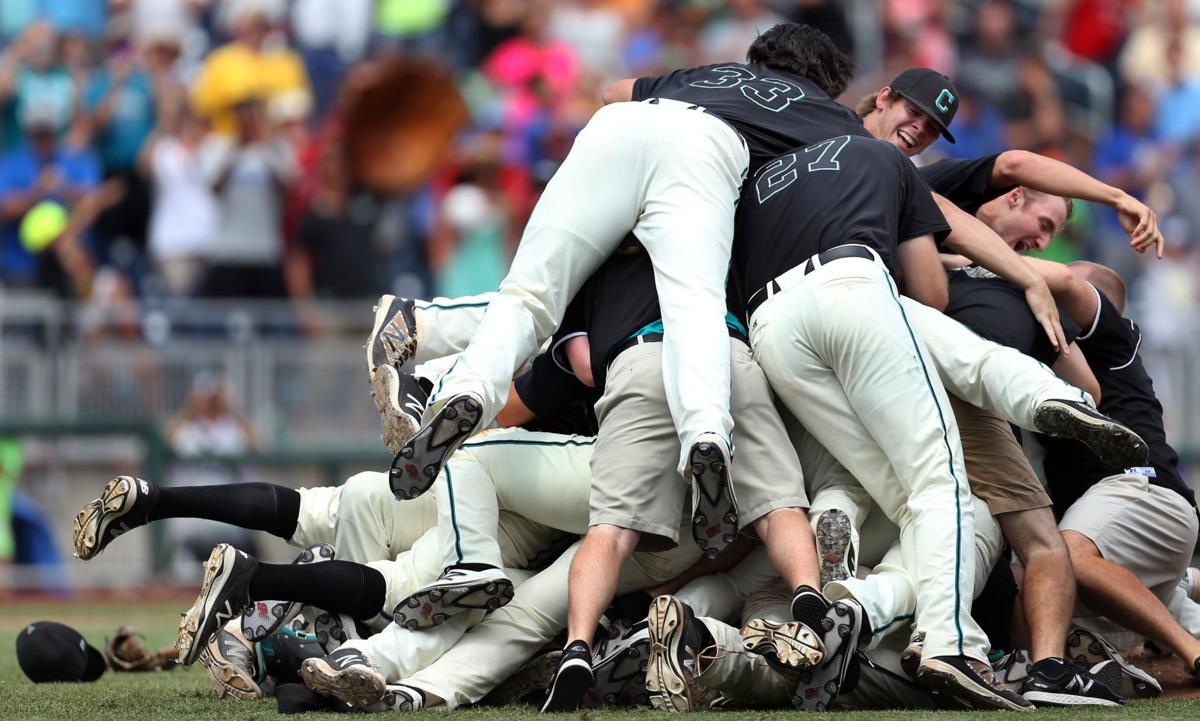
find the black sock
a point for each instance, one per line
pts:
(809, 607)
(472, 567)
(333, 586)
(256, 506)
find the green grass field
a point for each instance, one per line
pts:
(184, 692)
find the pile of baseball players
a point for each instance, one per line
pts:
(748, 424)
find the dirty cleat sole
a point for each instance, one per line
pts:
(417, 465)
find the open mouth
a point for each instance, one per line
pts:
(906, 139)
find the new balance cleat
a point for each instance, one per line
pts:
(818, 687)
(264, 618)
(456, 590)
(835, 549)
(347, 675)
(231, 664)
(400, 401)
(791, 645)
(393, 338)
(677, 641)
(123, 505)
(398, 697)
(1094, 652)
(224, 595)
(714, 506)
(420, 460)
(1112, 442)
(970, 682)
(620, 671)
(1057, 682)
(572, 679)
(334, 629)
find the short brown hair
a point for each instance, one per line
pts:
(1104, 279)
(866, 104)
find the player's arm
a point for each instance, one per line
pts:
(1021, 167)
(706, 566)
(515, 412)
(579, 354)
(1074, 369)
(1077, 298)
(974, 239)
(619, 92)
(924, 279)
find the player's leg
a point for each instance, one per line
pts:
(126, 503)
(568, 236)
(1017, 387)
(371, 525)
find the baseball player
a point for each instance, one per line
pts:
(861, 382)
(668, 167)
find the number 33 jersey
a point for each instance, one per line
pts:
(773, 110)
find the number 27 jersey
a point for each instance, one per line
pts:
(773, 110)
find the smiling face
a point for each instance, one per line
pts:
(903, 124)
(1027, 220)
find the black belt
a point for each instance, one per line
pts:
(842, 251)
(628, 343)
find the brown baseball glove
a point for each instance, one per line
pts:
(125, 652)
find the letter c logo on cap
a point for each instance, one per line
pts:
(943, 101)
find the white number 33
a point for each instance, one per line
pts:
(770, 93)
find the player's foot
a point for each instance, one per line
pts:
(841, 631)
(1104, 661)
(1113, 443)
(714, 507)
(528, 684)
(1058, 682)
(393, 338)
(224, 594)
(834, 547)
(398, 697)
(123, 505)
(1011, 670)
(400, 400)
(264, 618)
(456, 590)
(792, 645)
(572, 679)
(970, 682)
(910, 657)
(620, 670)
(229, 660)
(334, 629)
(677, 641)
(421, 459)
(347, 675)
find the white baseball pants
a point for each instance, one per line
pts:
(672, 176)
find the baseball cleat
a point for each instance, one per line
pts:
(231, 665)
(398, 697)
(529, 681)
(818, 687)
(620, 671)
(224, 594)
(792, 645)
(264, 618)
(572, 679)
(334, 629)
(400, 401)
(834, 546)
(676, 642)
(1011, 670)
(1113, 443)
(456, 590)
(970, 682)
(1094, 652)
(910, 657)
(1058, 682)
(393, 338)
(714, 506)
(123, 505)
(417, 465)
(347, 675)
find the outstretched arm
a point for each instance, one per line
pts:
(619, 92)
(1021, 167)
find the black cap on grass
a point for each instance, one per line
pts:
(49, 651)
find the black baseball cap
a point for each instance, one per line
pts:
(932, 92)
(49, 651)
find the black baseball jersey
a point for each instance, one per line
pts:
(842, 190)
(996, 310)
(966, 183)
(1127, 395)
(773, 110)
(561, 403)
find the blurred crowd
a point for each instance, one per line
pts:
(191, 148)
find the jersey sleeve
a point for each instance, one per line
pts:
(919, 215)
(966, 183)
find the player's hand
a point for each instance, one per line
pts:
(1041, 302)
(1141, 223)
